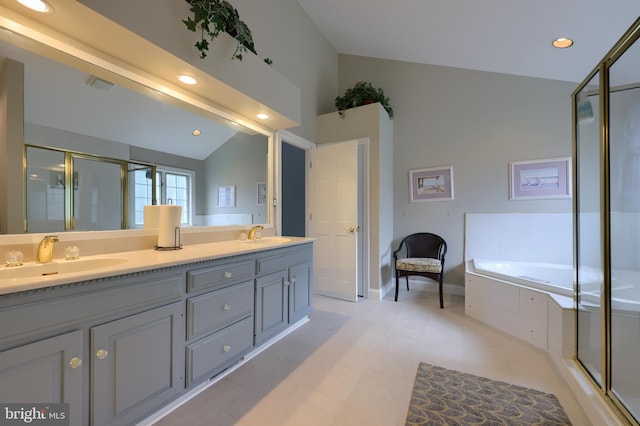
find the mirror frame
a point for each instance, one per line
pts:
(20, 31)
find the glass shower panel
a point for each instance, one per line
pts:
(97, 194)
(45, 190)
(589, 228)
(624, 193)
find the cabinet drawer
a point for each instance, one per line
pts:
(217, 309)
(214, 353)
(220, 275)
(282, 259)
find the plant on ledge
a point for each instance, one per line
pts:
(212, 17)
(362, 93)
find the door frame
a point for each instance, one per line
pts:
(285, 136)
(364, 219)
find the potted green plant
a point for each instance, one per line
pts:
(212, 17)
(362, 93)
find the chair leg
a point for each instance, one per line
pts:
(440, 290)
(407, 278)
(397, 285)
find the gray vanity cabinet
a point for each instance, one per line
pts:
(219, 316)
(272, 311)
(54, 364)
(300, 291)
(137, 364)
(118, 348)
(284, 288)
(52, 340)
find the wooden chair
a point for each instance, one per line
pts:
(424, 257)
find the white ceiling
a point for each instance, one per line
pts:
(504, 36)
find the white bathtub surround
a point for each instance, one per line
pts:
(520, 310)
(524, 237)
(527, 290)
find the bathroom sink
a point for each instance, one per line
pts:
(59, 267)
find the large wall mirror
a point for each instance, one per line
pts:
(98, 147)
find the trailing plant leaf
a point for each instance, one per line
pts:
(212, 17)
(362, 93)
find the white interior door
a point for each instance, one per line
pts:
(333, 221)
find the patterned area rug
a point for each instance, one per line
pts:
(448, 397)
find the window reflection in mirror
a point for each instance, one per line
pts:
(72, 110)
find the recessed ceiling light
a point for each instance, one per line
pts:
(37, 5)
(187, 79)
(196, 132)
(562, 42)
(263, 116)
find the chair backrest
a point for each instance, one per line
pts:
(425, 244)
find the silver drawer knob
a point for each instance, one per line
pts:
(227, 307)
(226, 348)
(228, 274)
(75, 362)
(102, 353)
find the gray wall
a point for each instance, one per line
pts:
(284, 32)
(475, 121)
(222, 168)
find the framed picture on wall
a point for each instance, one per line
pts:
(431, 184)
(262, 193)
(540, 179)
(227, 196)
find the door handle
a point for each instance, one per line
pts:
(351, 229)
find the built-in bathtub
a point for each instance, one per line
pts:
(550, 277)
(558, 279)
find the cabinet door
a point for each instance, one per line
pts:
(300, 291)
(137, 364)
(47, 371)
(271, 316)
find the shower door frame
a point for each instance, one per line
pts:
(605, 387)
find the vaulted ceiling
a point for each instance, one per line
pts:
(505, 36)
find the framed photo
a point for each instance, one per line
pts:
(540, 179)
(262, 193)
(432, 184)
(227, 196)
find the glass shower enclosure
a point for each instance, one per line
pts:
(606, 114)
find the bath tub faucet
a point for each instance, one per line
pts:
(45, 249)
(252, 232)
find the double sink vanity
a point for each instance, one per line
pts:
(120, 336)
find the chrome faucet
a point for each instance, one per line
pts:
(45, 249)
(252, 232)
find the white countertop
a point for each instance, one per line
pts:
(140, 260)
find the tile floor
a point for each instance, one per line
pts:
(355, 364)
